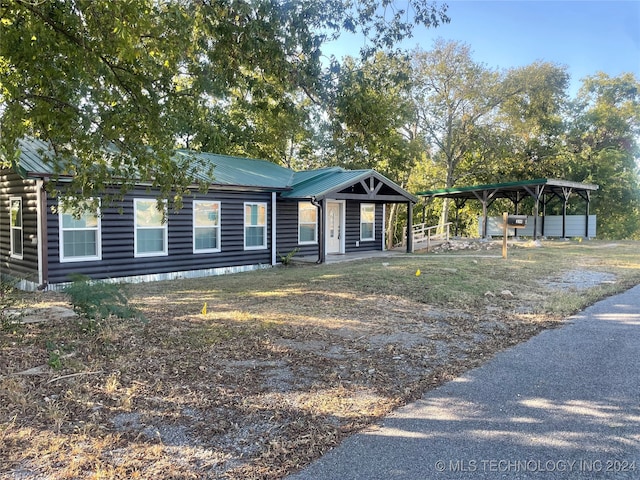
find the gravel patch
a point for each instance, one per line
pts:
(579, 280)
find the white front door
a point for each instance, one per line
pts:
(334, 227)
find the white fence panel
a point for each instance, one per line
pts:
(575, 226)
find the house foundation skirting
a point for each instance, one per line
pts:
(155, 277)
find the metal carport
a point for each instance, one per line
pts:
(543, 190)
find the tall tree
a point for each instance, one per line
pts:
(455, 97)
(374, 120)
(533, 123)
(136, 75)
(373, 117)
(604, 145)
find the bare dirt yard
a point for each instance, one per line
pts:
(280, 366)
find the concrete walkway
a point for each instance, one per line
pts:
(353, 256)
(564, 405)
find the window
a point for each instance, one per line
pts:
(15, 207)
(206, 226)
(367, 221)
(307, 223)
(255, 226)
(79, 236)
(150, 233)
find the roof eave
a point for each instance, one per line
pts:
(328, 193)
(540, 181)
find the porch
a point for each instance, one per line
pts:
(352, 256)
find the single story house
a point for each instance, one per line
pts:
(254, 213)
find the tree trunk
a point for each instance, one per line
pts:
(444, 215)
(392, 222)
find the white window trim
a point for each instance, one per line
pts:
(218, 235)
(373, 229)
(12, 253)
(315, 225)
(264, 227)
(88, 258)
(164, 226)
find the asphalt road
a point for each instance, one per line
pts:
(564, 405)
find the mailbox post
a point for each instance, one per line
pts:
(513, 221)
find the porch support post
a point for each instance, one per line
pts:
(384, 227)
(410, 227)
(322, 237)
(274, 230)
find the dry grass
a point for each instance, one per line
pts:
(283, 365)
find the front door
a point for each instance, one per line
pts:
(334, 227)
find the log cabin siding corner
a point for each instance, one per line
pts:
(25, 269)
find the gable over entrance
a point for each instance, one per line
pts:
(340, 184)
(542, 190)
(342, 194)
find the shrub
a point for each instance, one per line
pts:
(288, 258)
(96, 301)
(9, 300)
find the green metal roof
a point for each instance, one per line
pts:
(36, 160)
(316, 183)
(36, 157)
(507, 188)
(241, 172)
(324, 182)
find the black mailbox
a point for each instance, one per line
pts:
(517, 221)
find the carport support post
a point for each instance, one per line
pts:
(543, 220)
(566, 193)
(459, 204)
(516, 205)
(505, 217)
(485, 218)
(486, 196)
(536, 213)
(586, 219)
(536, 194)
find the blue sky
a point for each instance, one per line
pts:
(585, 36)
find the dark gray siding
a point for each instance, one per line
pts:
(118, 258)
(287, 236)
(352, 227)
(12, 185)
